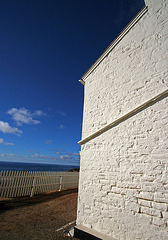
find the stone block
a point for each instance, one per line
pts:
(165, 215)
(145, 203)
(158, 222)
(151, 211)
(160, 206)
(146, 196)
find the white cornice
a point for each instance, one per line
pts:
(126, 116)
(81, 81)
(114, 43)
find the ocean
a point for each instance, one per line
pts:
(20, 166)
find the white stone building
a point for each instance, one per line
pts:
(123, 186)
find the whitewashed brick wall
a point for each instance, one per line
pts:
(123, 189)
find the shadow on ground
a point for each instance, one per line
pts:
(45, 216)
(19, 202)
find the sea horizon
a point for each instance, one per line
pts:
(25, 166)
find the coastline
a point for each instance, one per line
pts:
(23, 166)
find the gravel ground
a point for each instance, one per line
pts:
(39, 217)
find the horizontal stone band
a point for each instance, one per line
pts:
(125, 116)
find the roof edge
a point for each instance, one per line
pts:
(114, 43)
(81, 81)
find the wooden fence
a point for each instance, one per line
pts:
(27, 183)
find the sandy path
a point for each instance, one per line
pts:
(38, 217)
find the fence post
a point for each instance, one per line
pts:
(33, 187)
(60, 183)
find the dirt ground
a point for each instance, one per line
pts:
(39, 217)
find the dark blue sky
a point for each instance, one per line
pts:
(45, 47)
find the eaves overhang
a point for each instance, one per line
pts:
(114, 43)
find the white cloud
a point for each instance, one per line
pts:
(48, 141)
(23, 115)
(38, 113)
(61, 126)
(6, 128)
(43, 156)
(58, 150)
(7, 155)
(66, 158)
(5, 143)
(62, 113)
(72, 154)
(63, 153)
(10, 154)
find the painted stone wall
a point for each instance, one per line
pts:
(123, 189)
(134, 71)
